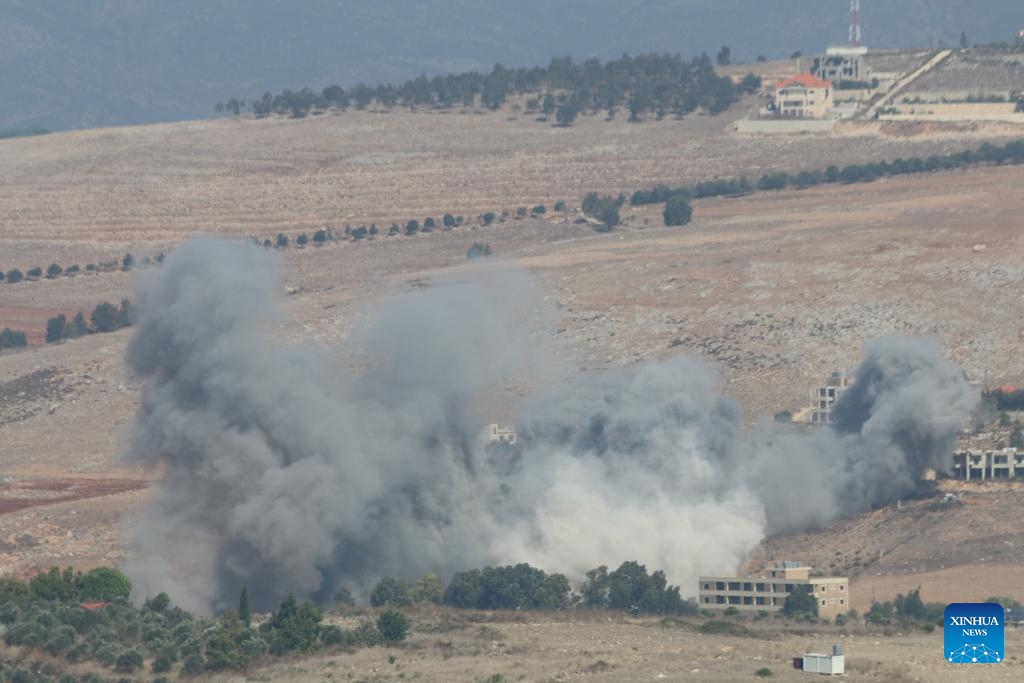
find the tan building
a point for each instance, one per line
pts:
(768, 593)
(803, 97)
(975, 465)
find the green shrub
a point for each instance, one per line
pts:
(731, 612)
(677, 210)
(764, 672)
(390, 591)
(128, 661)
(193, 665)
(393, 626)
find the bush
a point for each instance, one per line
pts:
(54, 271)
(448, 220)
(343, 596)
(560, 205)
(731, 612)
(56, 328)
(764, 672)
(14, 275)
(281, 240)
(128, 661)
(539, 210)
(429, 224)
(488, 218)
(302, 240)
(390, 591)
(412, 227)
(367, 634)
(677, 210)
(393, 626)
(478, 250)
(104, 583)
(162, 663)
(319, 237)
(35, 272)
(193, 665)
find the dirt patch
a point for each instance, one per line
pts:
(15, 496)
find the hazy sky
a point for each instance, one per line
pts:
(72, 63)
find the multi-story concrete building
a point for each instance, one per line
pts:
(825, 397)
(803, 97)
(768, 593)
(976, 465)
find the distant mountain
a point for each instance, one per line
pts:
(79, 63)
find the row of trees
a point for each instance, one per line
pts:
(411, 227)
(629, 588)
(106, 317)
(55, 270)
(659, 83)
(1010, 153)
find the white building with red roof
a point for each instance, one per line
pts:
(803, 97)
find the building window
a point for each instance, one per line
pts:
(707, 601)
(841, 601)
(748, 586)
(759, 601)
(734, 599)
(842, 587)
(734, 585)
(759, 587)
(720, 585)
(747, 600)
(822, 603)
(789, 588)
(707, 586)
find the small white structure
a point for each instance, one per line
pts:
(833, 664)
(497, 433)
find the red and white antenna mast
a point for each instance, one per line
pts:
(855, 23)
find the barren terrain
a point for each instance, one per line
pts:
(775, 289)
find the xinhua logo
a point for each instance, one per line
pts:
(973, 633)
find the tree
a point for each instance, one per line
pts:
(488, 217)
(343, 596)
(103, 583)
(390, 591)
(14, 275)
(448, 220)
(549, 105)
(393, 626)
(282, 240)
(800, 601)
(302, 240)
(319, 237)
(105, 317)
(128, 261)
(55, 328)
(295, 627)
(429, 224)
(35, 272)
(12, 339)
(560, 205)
(412, 227)
(430, 588)
(751, 83)
(53, 585)
(567, 114)
(244, 612)
(54, 271)
(724, 57)
(603, 208)
(677, 210)
(2, 276)
(78, 327)
(128, 661)
(539, 210)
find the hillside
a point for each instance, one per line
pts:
(94, 63)
(969, 548)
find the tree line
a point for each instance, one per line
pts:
(658, 84)
(1010, 153)
(106, 317)
(73, 617)
(629, 588)
(55, 270)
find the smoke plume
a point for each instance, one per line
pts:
(281, 467)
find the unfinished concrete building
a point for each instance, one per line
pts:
(768, 592)
(978, 465)
(842, 65)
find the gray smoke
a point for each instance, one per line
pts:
(280, 466)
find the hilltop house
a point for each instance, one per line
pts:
(803, 97)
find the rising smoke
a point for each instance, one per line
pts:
(284, 468)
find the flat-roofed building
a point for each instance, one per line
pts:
(977, 465)
(768, 592)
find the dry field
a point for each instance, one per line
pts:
(448, 647)
(775, 289)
